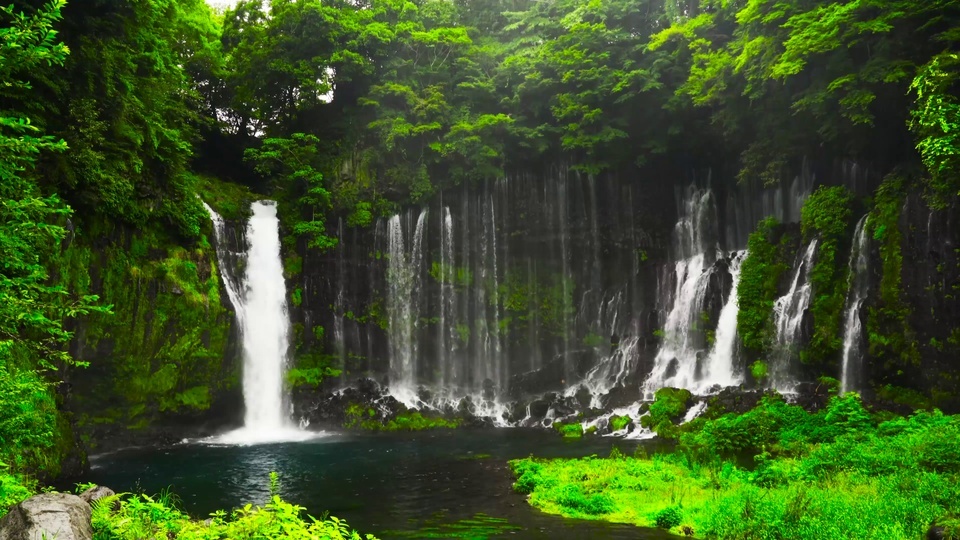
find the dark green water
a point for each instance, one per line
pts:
(436, 484)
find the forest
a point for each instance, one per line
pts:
(722, 234)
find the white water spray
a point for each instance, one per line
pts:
(856, 293)
(788, 313)
(720, 368)
(223, 263)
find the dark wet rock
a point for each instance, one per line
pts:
(622, 396)
(49, 515)
(813, 396)
(945, 528)
(672, 366)
(539, 408)
(561, 410)
(583, 397)
(96, 493)
(531, 383)
(733, 399)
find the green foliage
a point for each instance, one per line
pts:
(593, 340)
(668, 406)
(313, 377)
(357, 417)
(759, 370)
(132, 517)
(826, 215)
(231, 201)
(935, 121)
(167, 336)
(459, 277)
(757, 291)
(13, 489)
(838, 473)
(33, 307)
(128, 106)
(669, 517)
(571, 430)
(618, 423)
(891, 340)
(293, 164)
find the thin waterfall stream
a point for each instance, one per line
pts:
(857, 292)
(788, 312)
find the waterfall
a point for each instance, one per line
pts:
(265, 329)
(720, 368)
(683, 340)
(447, 332)
(788, 311)
(856, 293)
(613, 369)
(403, 303)
(225, 264)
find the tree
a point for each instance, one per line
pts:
(32, 309)
(292, 163)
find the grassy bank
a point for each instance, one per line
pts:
(776, 472)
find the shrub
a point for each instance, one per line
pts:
(571, 430)
(618, 423)
(757, 291)
(669, 517)
(133, 517)
(572, 497)
(668, 405)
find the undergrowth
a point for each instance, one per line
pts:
(836, 474)
(135, 517)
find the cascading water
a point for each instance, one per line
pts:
(508, 289)
(225, 262)
(856, 293)
(788, 313)
(720, 367)
(265, 329)
(615, 368)
(676, 363)
(403, 303)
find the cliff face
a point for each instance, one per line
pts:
(930, 274)
(526, 284)
(520, 286)
(511, 289)
(165, 362)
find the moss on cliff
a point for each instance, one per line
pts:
(759, 275)
(891, 340)
(826, 216)
(164, 348)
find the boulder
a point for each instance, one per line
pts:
(96, 493)
(49, 515)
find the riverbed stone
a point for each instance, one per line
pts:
(49, 515)
(96, 493)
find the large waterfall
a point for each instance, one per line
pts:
(856, 293)
(264, 325)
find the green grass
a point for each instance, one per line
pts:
(837, 474)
